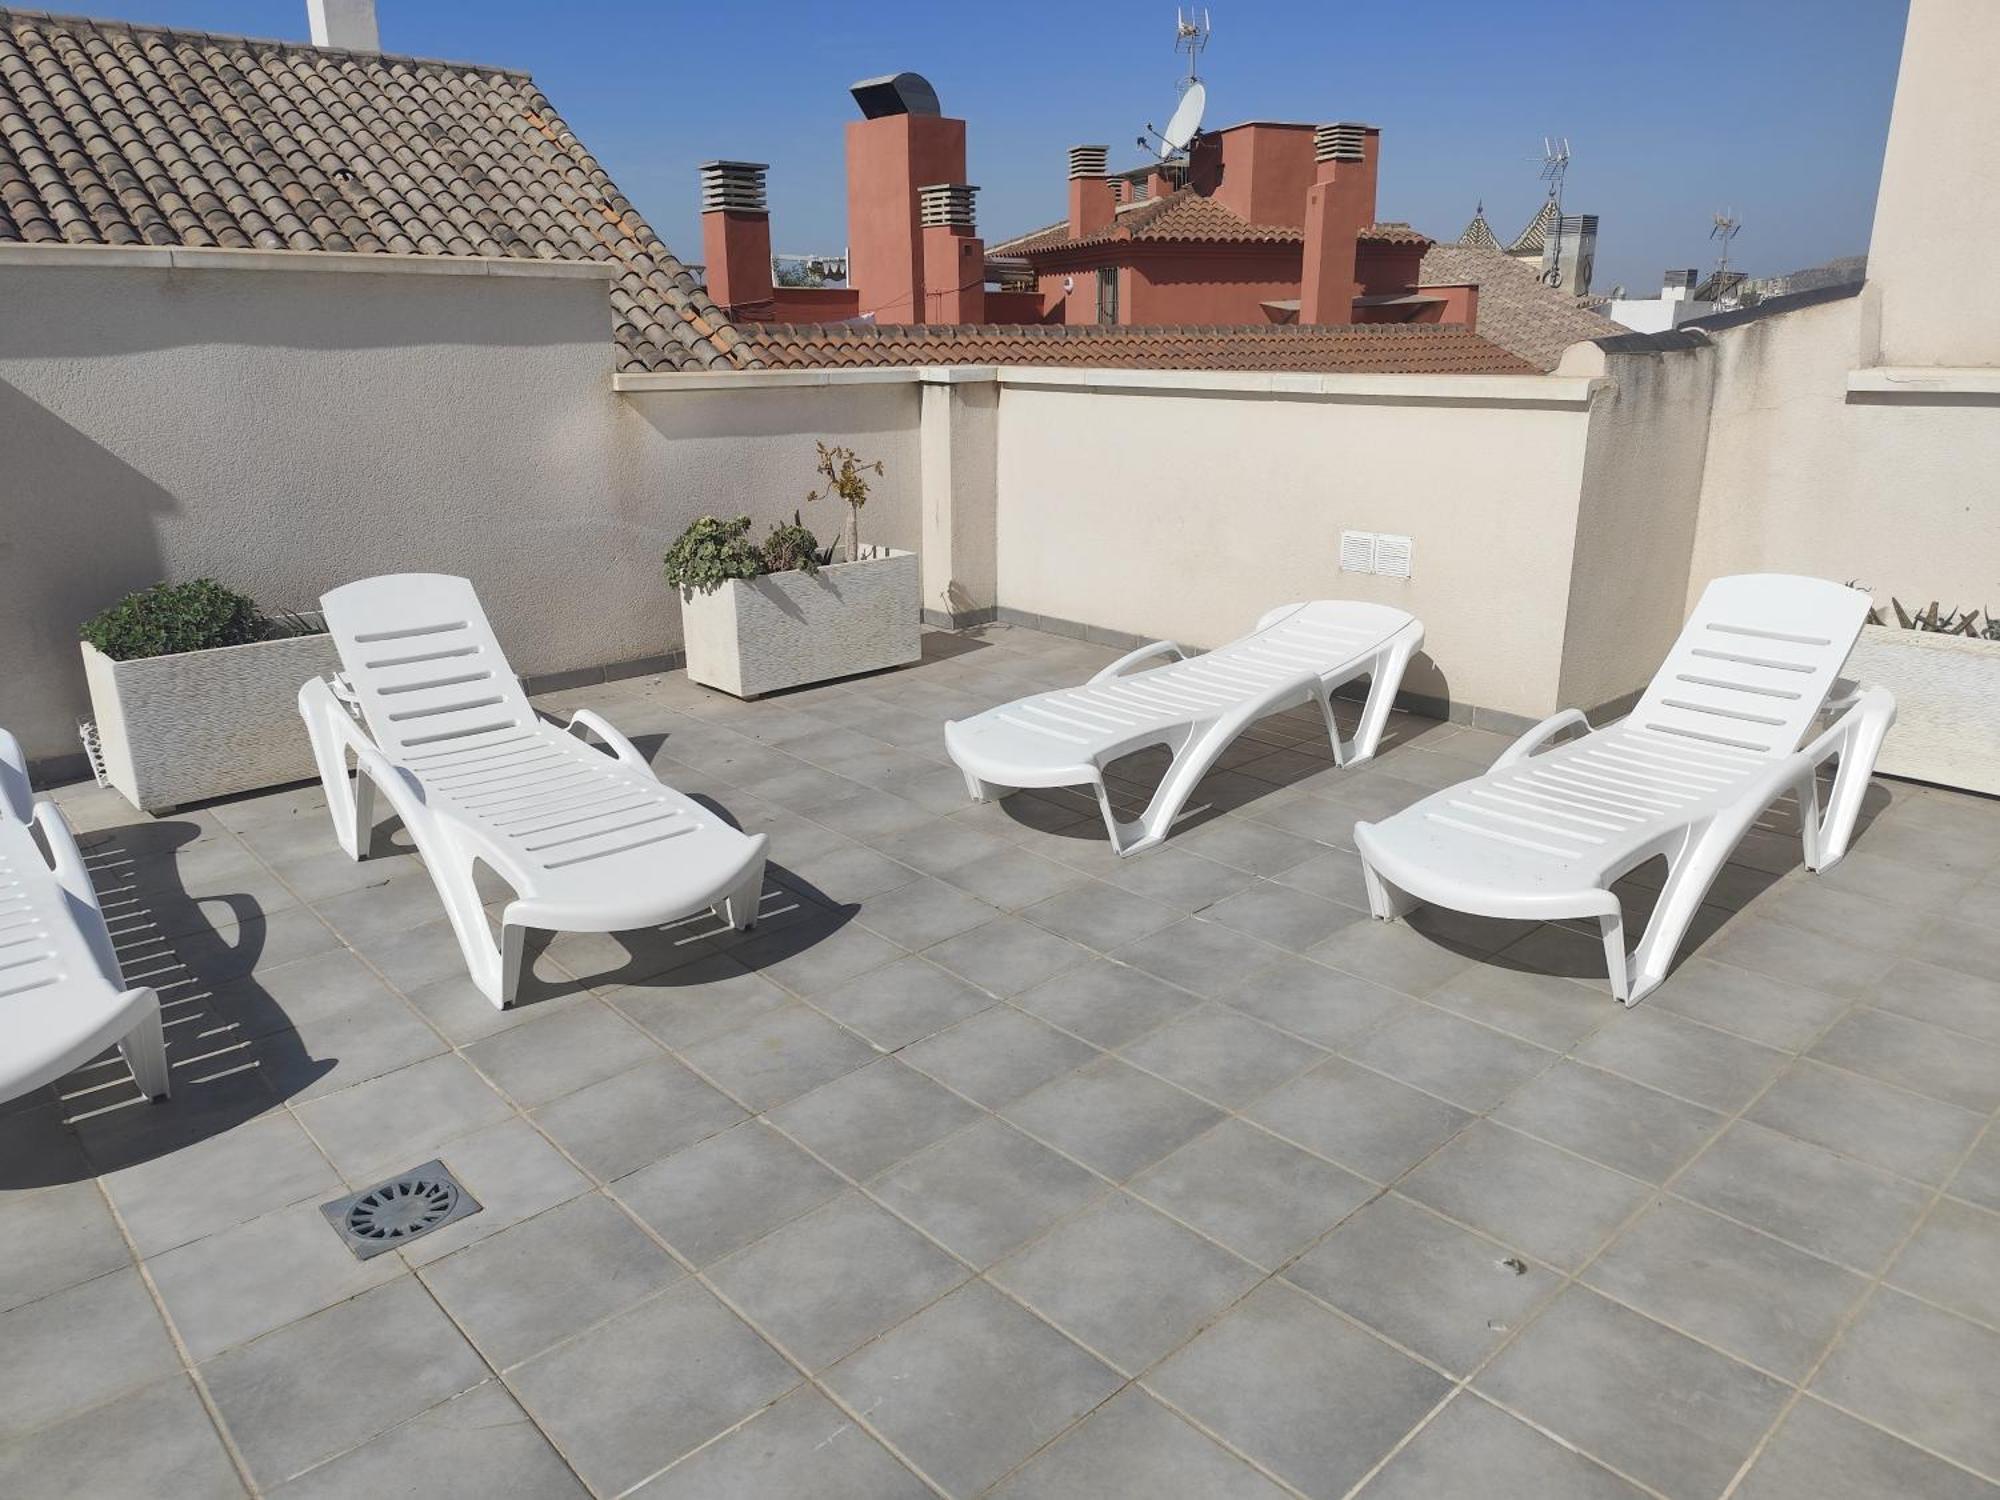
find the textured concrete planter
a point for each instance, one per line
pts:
(756, 636)
(178, 729)
(1947, 691)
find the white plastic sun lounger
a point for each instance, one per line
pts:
(1196, 706)
(590, 841)
(63, 999)
(1712, 743)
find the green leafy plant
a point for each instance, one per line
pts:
(791, 545)
(198, 615)
(845, 478)
(710, 553)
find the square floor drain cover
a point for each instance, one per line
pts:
(404, 1208)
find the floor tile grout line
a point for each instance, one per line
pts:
(189, 1367)
(1572, 1277)
(1849, 1318)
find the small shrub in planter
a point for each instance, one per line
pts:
(760, 617)
(199, 615)
(791, 547)
(194, 692)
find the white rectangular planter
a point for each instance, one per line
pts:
(1947, 691)
(178, 729)
(755, 636)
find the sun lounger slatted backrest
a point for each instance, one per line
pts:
(1753, 664)
(424, 665)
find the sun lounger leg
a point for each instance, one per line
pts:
(1385, 680)
(1689, 875)
(350, 798)
(1193, 757)
(1385, 901)
(1869, 721)
(513, 939)
(739, 907)
(983, 791)
(145, 1050)
(1613, 929)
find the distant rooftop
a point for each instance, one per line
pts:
(116, 134)
(1391, 348)
(121, 134)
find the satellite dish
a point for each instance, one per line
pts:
(1186, 121)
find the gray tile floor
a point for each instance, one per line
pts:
(989, 1163)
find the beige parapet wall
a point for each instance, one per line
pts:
(287, 423)
(1184, 505)
(1818, 466)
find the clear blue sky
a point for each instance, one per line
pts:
(1776, 109)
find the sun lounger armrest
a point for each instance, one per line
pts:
(1132, 659)
(621, 747)
(74, 877)
(64, 857)
(1540, 735)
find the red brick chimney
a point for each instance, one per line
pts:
(1092, 207)
(1339, 206)
(954, 256)
(736, 238)
(902, 144)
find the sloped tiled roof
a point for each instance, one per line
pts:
(1479, 234)
(1516, 311)
(1531, 240)
(1398, 348)
(1184, 216)
(116, 134)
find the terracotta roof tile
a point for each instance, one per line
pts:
(115, 134)
(1403, 348)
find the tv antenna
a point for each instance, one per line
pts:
(1726, 227)
(1191, 33)
(1555, 167)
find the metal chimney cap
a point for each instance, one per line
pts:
(946, 203)
(737, 186)
(1345, 141)
(1089, 161)
(895, 94)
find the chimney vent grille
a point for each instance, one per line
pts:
(734, 185)
(946, 203)
(1343, 142)
(1088, 161)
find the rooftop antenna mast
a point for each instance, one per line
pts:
(1191, 32)
(1190, 36)
(1555, 167)
(1726, 226)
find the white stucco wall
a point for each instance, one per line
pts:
(1636, 520)
(1933, 298)
(286, 430)
(1901, 493)
(1184, 510)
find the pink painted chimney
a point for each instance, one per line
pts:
(736, 238)
(901, 145)
(1092, 206)
(954, 255)
(1339, 206)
